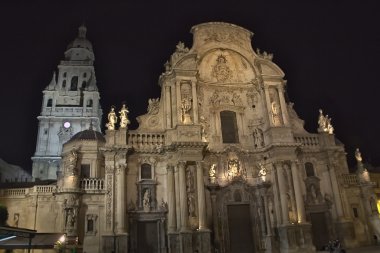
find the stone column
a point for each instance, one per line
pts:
(201, 198)
(177, 198)
(283, 198)
(120, 196)
(335, 188)
(284, 109)
(183, 196)
(178, 99)
(172, 224)
(267, 215)
(195, 101)
(168, 109)
(269, 110)
(298, 193)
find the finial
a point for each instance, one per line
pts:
(82, 31)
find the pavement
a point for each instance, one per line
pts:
(369, 249)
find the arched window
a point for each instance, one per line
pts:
(89, 103)
(74, 83)
(146, 171)
(64, 74)
(309, 168)
(229, 127)
(49, 103)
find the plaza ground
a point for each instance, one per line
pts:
(370, 249)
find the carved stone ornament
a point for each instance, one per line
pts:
(264, 55)
(221, 71)
(153, 106)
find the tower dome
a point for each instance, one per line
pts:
(80, 49)
(88, 135)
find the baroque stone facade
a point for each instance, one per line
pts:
(219, 163)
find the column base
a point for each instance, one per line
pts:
(173, 242)
(186, 241)
(296, 238)
(203, 240)
(115, 243)
(346, 233)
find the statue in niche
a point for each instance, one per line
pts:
(124, 121)
(276, 115)
(262, 170)
(191, 205)
(205, 127)
(212, 173)
(72, 159)
(258, 138)
(186, 104)
(324, 123)
(112, 119)
(189, 180)
(221, 71)
(146, 200)
(153, 106)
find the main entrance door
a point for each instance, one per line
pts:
(147, 239)
(319, 229)
(240, 229)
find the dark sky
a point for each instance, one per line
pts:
(329, 51)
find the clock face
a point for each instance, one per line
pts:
(66, 124)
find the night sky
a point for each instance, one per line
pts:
(329, 52)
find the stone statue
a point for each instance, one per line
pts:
(275, 114)
(324, 123)
(186, 104)
(358, 155)
(146, 200)
(212, 171)
(112, 119)
(124, 121)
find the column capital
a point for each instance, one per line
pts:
(170, 168)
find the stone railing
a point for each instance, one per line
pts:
(45, 188)
(350, 179)
(92, 184)
(307, 140)
(14, 192)
(151, 142)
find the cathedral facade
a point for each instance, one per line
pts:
(219, 163)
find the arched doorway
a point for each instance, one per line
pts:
(240, 222)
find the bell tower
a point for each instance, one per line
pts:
(70, 104)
